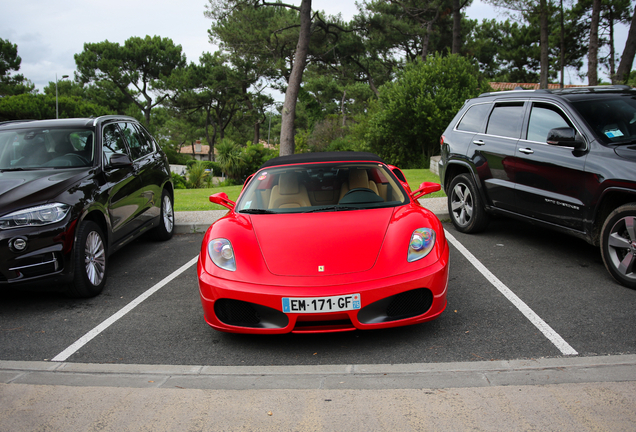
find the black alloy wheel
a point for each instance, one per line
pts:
(618, 244)
(464, 205)
(90, 260)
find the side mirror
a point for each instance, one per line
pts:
(565, 137)
(119, 160)
(221, 198)
(425, 189)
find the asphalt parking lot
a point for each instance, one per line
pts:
(542, 295)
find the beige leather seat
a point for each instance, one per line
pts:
(289, 193)
(358, 178)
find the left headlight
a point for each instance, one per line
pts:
(35, 216)
(421, 244)
(222, 254)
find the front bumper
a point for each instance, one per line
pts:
(46, 258)
(400, 300)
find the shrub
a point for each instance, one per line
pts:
(413, 111)
(198, 177)
(178, 180)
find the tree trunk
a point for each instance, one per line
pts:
(562, 47)
(287, 144)
(545, 62)
(612, 59)
(207, 136)
(627, 59)
(592, 57)
(457, 27)
(342, 110)
(257, 132)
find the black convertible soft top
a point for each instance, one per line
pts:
(343, 156)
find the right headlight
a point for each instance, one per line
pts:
(222, 254)
(35, 216)
(421, 244)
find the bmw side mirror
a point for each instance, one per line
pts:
(119, 160)
(565, 137)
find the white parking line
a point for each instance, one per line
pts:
(130, 306)
(547, 331)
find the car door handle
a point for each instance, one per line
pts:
(479, 142)
(526, 150)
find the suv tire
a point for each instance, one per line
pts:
(166, 220)
(90, 259)
(618, 244)
(465, 207)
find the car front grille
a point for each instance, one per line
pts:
(410, 303)
(244, 314)
(236, 312)
(38, 266)
(400, 306)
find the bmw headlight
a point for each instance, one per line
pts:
(222, 254)
(421, 244)
(35, 216)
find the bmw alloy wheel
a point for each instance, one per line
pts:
(168, 214)
(94, 258)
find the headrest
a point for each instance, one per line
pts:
(358, 178)
(288, 184)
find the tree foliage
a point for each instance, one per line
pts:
(12, 84)
(138, 68)
(413, 111)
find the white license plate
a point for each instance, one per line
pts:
(321, 304)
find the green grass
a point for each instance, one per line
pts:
(198, 199)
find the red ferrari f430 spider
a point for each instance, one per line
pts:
(323, 242)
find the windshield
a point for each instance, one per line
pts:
(321, 187)
(613, 119)
(22, 149)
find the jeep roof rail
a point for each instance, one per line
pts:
(567, 90)
(594, 89)
(515, 91)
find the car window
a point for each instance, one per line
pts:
(506, 120)
(144, 136)
(543, 118)
(45, 148)
(321, 187)
(113, 142)
(139, 145)
(613, 119)
(474, 118)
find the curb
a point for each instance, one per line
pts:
(543, 371)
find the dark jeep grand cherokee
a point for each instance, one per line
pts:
(564, 159)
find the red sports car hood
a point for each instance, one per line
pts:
(327, 243)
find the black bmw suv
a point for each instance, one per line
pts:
(74, 191)
(564, 159)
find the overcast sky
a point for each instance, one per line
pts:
(49, 32)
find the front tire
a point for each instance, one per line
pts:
(465, 207)
(90, 259)
(618, 244)
(165, 230)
